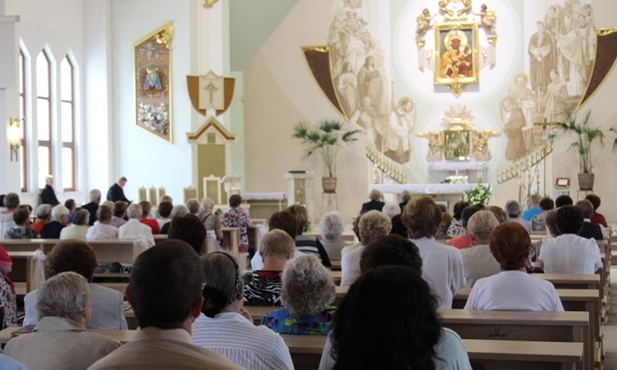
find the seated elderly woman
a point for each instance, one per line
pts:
(22, 229)
(456, 226)
(60, 339)
(146, 208)
(372, 225)
(331, 226)
(119, 209)
(79, 228)
(442, 264)
(211, 221)
(514, 211)
(282, 220)
(513, 288)
(465, 240)
(43, 216)
(78, 256)
(263, 287)
(387, 320)
(102, 228)
(307, 293)
(225, 327)
(237, 217)
(178, 210)
(133, 229)
(307, 244)
(570, 253)
(478, 260)
(538, 221)
(589, 229)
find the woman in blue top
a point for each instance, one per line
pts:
(307, 292)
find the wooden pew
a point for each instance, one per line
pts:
(582, 300)
(306, 351)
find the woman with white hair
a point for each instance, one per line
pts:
(331, 226)
(225, 327)
(307, 293)
(59, 219)
(60, 340)
(134, 229)
(178, 210)
(211, 221)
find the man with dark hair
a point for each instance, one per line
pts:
(165, 307)
(116, 191)
(391, 250)
(569, 253)
(563, 200)
(78, 256)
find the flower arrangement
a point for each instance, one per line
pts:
(478, 194)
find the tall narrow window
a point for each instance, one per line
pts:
(68, 124)
(43, 124)
(22, 115)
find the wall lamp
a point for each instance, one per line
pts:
(14, 138)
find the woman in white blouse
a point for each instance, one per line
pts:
(226, 328)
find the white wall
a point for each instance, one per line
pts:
(143, 158)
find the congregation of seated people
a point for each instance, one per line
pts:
(196, 302)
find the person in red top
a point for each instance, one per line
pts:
(147, 220)
(43, 216)
(596, 217)
(465, 241)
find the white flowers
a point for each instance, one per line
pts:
(478, 194)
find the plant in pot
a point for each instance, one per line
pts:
(325, 139)
(585, 135)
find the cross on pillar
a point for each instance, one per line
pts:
(211, 89)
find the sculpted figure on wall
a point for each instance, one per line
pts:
(398, 147)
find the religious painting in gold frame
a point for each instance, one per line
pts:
(456, 55)
(457, 145)
(152, 55)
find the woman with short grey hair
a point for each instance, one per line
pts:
(307, 293)
(63, 306)
(372, 225)
(331, 226)
(478, 261)
(79, 228)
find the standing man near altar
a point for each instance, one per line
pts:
(116, 193)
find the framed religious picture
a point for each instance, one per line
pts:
(456, 53)
(457, 144)
(153, 82)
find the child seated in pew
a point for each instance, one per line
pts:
(225, 327)
(263, 287)
(513, 288)
(307, 293)
(388, 320)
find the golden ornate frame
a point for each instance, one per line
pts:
(456, 68)
(152, 57)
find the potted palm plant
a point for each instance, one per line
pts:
(585, 135)
(325, 138)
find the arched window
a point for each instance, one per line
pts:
(43, 117)
(67, 95)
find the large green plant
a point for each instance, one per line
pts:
(324, 138)
(585, 135)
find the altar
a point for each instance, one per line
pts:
(448, 193)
